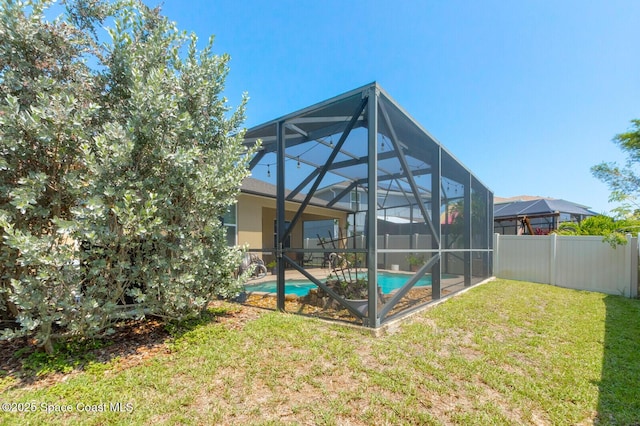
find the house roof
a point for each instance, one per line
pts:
(502, 200)
(396, 219)
(539, 206)
(259, 187)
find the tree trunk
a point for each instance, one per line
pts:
(48, 342)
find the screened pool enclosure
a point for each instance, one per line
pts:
(364, 197)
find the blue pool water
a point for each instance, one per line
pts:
(387, 282)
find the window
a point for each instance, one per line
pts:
(311, 229)
(230, 222)
(287, 242)
(566, 217)
(355, 200)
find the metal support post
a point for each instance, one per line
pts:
(467, 232)
(280, 212)
(372, 320)
(436, 185)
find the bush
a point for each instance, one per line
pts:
(613, 231)
(112, 177)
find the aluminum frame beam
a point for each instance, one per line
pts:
(405, 167)
(402, 291)
(436, 203)
(324, 169)
(371, 226)
(280, 214)
(256, 159)
(323, 286)
(304, 183)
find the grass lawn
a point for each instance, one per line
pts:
(506, 352)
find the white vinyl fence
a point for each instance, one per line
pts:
(578, 262)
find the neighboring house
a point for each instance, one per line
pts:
(510, 215)
(251, 221)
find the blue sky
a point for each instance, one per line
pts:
(527, 94)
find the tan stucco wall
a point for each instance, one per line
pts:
(256, 213)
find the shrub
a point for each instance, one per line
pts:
(613, 231)
(112, 177)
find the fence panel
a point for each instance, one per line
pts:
(578, 262)
(522, 259)
(586, 263)
(401, 242)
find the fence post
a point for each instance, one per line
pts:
(496, 254)
(633, 290)
(628, 263)
(553, 259)
(385, 245)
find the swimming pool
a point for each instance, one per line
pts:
(387, 282)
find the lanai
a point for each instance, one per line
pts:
(386, 167)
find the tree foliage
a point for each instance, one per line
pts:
(614, 231)
(116, 160)
(624, 181)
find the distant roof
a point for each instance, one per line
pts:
(395, 219)
(259, 187)
(501, 200)
(539, 206)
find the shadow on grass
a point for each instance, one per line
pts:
(22, 364)
(619, 396)
(178, 329)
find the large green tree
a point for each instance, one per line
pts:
(624, 181)
(118, 154)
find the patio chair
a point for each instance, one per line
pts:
(304, 258)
